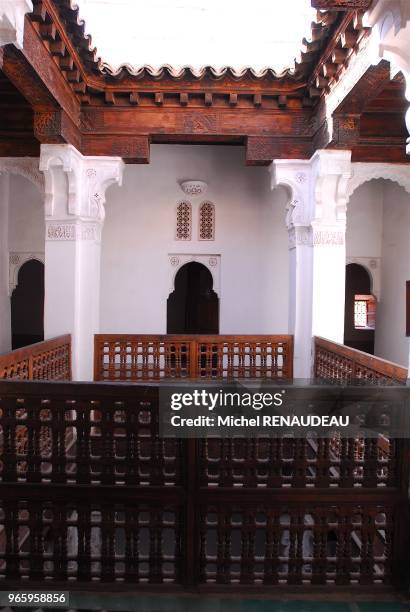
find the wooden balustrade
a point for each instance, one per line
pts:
(96, 496)
(149, 358)
(342, 364)
(48, 360)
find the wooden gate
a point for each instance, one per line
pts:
(91, 494)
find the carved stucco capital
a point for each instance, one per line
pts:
(75, 185)
(295, 177)
(12, 15)
(317, 191)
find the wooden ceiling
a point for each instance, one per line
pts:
(57, 90)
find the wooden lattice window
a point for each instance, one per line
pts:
(364, 312)
(207, 221)
(184, 221)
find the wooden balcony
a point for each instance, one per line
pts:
(337, 363)
(165, 357)
(121, 506)
(92, 496)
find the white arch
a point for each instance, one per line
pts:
(28, 167)
(211, 262)
(363, 172)
(17, 261)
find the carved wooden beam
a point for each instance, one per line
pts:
(55, 126)
(369, 86)
(51, 76)
(133, 149)
(194, 123)
(261, 150)
(341, 5)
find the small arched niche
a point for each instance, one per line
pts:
(360, 309)
(193, 306)
(27, 305)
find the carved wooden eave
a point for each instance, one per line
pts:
(76, 98)
(341, 5)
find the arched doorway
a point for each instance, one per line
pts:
(27, 305)
(193, 306)
(360, 309)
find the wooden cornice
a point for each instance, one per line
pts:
(341, 5)
(75, 98)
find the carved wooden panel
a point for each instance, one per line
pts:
(295, 462)
(91, 540)
(341, 5)
(308, 544)
(82, 440)
(48, 360)
(144, 357)
(341, 364)
(91, 494)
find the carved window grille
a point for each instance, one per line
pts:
(184, 221)
(207, 221)
(360, 313)
(364, 312)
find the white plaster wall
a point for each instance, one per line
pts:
(390, 341)
(364, 221)
(378, 226)
(139, 234)
(26, 218)
(21, 229)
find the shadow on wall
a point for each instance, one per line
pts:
(27, 305)
(360, 311)
(193, 306)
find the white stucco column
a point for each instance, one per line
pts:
(74, 209)
(316, 221)
(12, 14)
(5, 324)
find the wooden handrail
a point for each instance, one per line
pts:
(47, 360)
(135, 357)
(338, 362)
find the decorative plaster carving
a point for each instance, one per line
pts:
(308, 236)
(328, 237)
(212, 262)
(317, 188)
(73, 231)
(88, 179)
(23, 166)
(193, 188)
(12, 14)
(289, 173)
(362, 172)
(16, 260)
(300, 236)
(207, 221)
(184, 221)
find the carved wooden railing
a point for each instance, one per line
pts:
(122, 506)
(149, 358)
(342, 364)
(48, 360)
